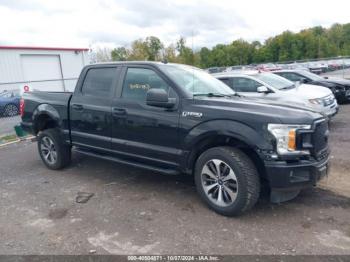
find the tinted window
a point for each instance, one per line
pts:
(227, 81)
(98, 81)
(138, 81)
(241, 84)
(291, 76)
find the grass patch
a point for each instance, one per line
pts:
(8, 138)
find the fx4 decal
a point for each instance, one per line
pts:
(194, 114)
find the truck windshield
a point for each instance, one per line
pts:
(275, 81)
(196, 81)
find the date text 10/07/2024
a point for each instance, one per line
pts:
(173, 258)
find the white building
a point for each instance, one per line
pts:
(41, 68)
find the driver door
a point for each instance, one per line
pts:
(148, 132)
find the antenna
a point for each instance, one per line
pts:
(192, 61)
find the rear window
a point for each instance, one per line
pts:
(98, 81)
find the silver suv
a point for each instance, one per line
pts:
(273, 87)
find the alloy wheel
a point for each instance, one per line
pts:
(48, 150)
(219, 182)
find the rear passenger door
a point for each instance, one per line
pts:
(90, 108)
(147, 132)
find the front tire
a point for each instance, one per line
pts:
(52, 150)
(227, 180)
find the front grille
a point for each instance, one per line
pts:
(328, 100)
(320, 140)
(322, 155)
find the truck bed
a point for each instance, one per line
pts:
(47, 101)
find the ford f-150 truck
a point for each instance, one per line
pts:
(173, 119)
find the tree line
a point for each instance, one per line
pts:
(311, 43)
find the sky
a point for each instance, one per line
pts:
(113, 23)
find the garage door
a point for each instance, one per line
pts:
(43, 72)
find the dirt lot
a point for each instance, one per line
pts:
(133, 211)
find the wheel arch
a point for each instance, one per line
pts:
(225, 133)
(45, 116)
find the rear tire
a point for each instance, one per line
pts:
(230, 171)
(52, 150)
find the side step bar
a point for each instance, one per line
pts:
(126, 162)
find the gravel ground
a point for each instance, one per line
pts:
(7, 124)
(134, 211)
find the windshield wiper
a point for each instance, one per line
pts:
(209, 94)
(235, 94)
(288, 87)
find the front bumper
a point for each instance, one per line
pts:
(285, 176)
(332, 111)
(342, 95)
(347, 94)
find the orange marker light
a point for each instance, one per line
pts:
(291, 140)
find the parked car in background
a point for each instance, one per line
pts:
(212, 70)
(335, 65)
(268, 67)
(172, 119)
(340, 87)
(9, 103)
(317, 67)
(273, 87)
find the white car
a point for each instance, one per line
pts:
(273, 87)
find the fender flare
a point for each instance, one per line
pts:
(229, 128)
(47, 110)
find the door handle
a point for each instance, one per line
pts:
(77, 107)
(118, 111)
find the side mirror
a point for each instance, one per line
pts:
(304, 80)
(159, 98)
(263, 89)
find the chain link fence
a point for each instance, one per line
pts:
(11, 92)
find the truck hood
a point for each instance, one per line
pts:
(308, 91)
(338, 81)
(260, 109)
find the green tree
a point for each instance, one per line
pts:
(186, 55)
(120, 54)
(153, 48)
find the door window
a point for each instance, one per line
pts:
(292, 76)
(98, 81)
(227, 81)
(138, 81)
(241, 84)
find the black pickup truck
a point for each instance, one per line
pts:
(173, 119)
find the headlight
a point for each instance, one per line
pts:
(316, 101)
(286, 138)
